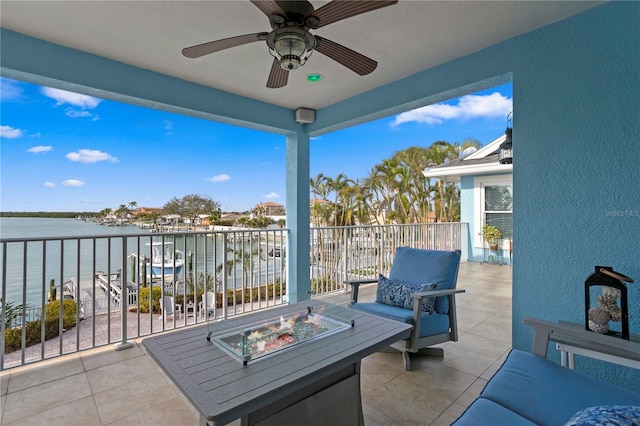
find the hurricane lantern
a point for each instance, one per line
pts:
(605, 276)
(506, 149)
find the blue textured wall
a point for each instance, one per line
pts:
(577, 169)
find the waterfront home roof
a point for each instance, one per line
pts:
(231, 216)
(146, 210)
(482, 162)
(270, 204)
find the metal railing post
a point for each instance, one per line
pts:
(124, 300)
(224, 276)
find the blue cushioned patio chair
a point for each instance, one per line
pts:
(420, 290)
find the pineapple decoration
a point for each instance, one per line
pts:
(612, 302)
(608, 310)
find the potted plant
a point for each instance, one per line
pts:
(491, 235)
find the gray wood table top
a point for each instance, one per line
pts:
(223, 389)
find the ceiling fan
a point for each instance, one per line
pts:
(291, 43)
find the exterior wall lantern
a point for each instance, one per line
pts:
(597, 319)
(506, 149)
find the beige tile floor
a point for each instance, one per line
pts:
(108, 387)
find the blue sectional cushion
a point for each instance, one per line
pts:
(397, 293)
(426, 266)
(486, 412)
(546, 393)
(430, 323)
(610, 415)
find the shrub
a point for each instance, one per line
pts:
(13, 336)
(143, 297)
(52, 312)
(251, 295)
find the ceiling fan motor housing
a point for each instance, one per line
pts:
(292, 46)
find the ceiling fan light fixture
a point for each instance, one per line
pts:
(291, 46)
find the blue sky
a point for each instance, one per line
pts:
(62, 151)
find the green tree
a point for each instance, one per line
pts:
(192, 206)
(149, 217)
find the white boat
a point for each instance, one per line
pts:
(165, 262)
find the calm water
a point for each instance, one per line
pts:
(78, 258)
(40, 270)
(13, 227)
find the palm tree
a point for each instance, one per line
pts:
(416, 158)
(244, 257)
(337, 186)
(442, 152)
(320, 209)
(382, 181)
(395, 191)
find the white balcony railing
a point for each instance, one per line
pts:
(361, 252)
(245, 271)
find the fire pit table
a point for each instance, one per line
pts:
(295, 364)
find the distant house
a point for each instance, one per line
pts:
(203, 220)
(486, 194)
(271, 209)
(147, 210)
(231, 217)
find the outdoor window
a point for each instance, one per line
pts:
(494, 206)
(498, 202)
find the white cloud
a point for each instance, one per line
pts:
(9, 89)
(73, 182)
(90, 156)
(74, 113)
(39, 148)
(220, 178)
(468, 107)
(63, 97)
(10, 132)
(49, 184)
(272, 195)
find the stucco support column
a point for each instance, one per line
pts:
(297, 255)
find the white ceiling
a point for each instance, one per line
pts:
(404, 38)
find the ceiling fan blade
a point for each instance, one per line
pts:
(338, 10)
(351, 59)
(218, 45)
(269, 7)
(278, 76)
